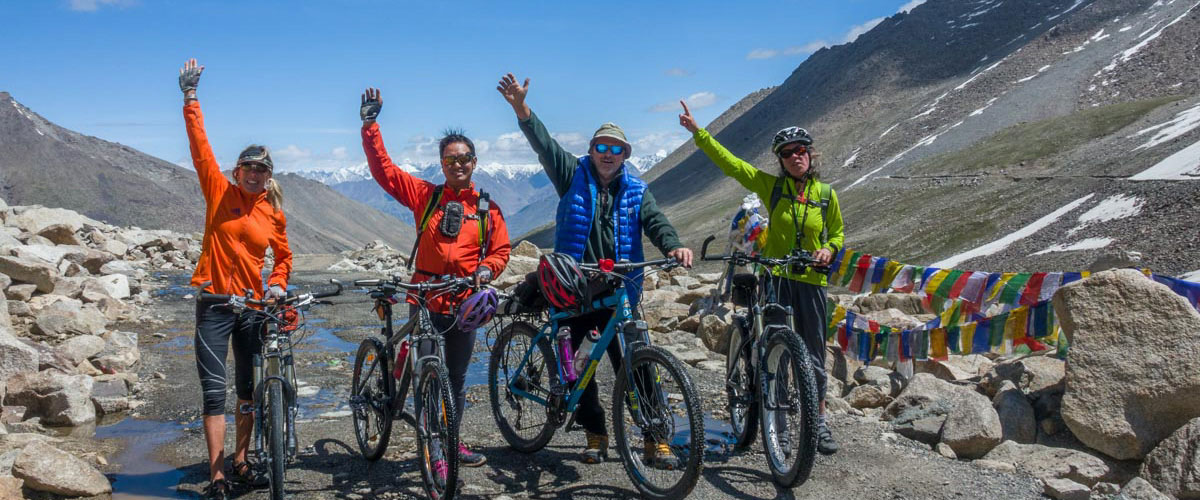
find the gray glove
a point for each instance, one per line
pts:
(371, 106)
(484, 274)
(189, 78)
(276, 292)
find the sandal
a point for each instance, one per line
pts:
(244, 472)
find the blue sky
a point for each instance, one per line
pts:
(289, 74)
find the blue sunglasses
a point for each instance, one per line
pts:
(615, 148)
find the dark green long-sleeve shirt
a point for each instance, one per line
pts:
(560, 166)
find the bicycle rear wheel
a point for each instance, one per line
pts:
(739, 388)
(658, 425)
(276, 436)
(369, 399)
(523, 422)
(437, 432)
(788, 397)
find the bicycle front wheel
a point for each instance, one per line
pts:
(658, 424)
(788, 408)
(523, 422)
(437, 432)
(739, 388)
(276, 430)
(370, 399)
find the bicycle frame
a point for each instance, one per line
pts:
(275, 362)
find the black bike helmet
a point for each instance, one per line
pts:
(562, 282)
(790, 135)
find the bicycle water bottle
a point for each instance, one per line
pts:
(566, 353)
(584, 353)
(401, 358)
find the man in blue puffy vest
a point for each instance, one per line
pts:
(603, 211)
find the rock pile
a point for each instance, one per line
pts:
(375, 257)
(67, 280)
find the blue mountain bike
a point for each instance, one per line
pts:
(653, 402)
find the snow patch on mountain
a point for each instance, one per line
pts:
(1114, 207)
(1183, 122)
(1181, 166)
(1088, 244)
(1002, 243)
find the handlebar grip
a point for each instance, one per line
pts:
(213, 297)
(704, 246)
(321, 295)
(368, 282)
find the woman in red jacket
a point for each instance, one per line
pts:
(241, 220)
(447, 245)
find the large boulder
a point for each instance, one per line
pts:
(15, 356)
(121, 351)
(1131, 378)
(972, 427)
(34, 219)
(1044, 462)
(867, 396)
(80, 348)
(1173, 467)
(715, 333)
(1034, 375)
(31, 271)
(46, 468)
(58, 398)
(69, 318)
(60, 234)
(526, 249)
(1017, 419)
(518, 266)
(110, 395)
(1140, 489)
(117, 285)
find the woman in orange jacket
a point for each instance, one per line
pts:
(241, 220)
(446, 245)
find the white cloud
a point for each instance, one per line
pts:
(94, 5)
(855, 31)
(339, 152)
(678, 72)
(658, 142)
(762, 54)
(699, 100)
(908, 7)
(807, 48)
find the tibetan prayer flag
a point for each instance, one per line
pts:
(921, 344)
(1071, 277)
(878, 269)
(860, 273)
(1042, 316)
(864, 346)
(891, 351)
(943, 287)
(1050, 285)
(953, 342)
(837, 260)
(842, 339)
(903, 282)
(931, 284)
(906, 347)
(995, 286)
(957, 288)
(1017, 326)
(1033, 289)
(980, 336)
(852, 267)
(839, 313)
(1012, 289)
(938, 344)
(889, 275)
(972, 291)
(996, 329)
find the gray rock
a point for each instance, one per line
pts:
(117, 285)
(114, 247)
(926, 430)
(945, 450)
(110, 396)
(10, 487)
(15, 356)
(714, 333)
(69, 318)
(4, 281)
(68, 286)
(60, 234)
(1140, 489)
(1131, 378)
(972, 427)
(1105, 489)
(1033, 375)
(46, 468)
(122, 267)
(58, 398)
(82, 347)
(836, 405)
(5, 317)
(686, 282)
(526, 249)
(29, 271)
(994, 465)
(1066, 489)
(1173, 467)
(867, 396)
(689, 355)
(35, 218)
(1016, 414)
(121, 352)
(20, 292)
(18, 308)
(1045, 463)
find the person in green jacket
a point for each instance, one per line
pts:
(608, 175)
(798, 220)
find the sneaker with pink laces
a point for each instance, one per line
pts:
(469, 458)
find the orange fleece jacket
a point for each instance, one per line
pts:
(438, 254)
(238, 226)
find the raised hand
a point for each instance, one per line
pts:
(372, 104)
(189, 76)
(686, 120)
(515, 93)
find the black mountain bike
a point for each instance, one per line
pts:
(769, 375)
(275, 405)
(379, 389)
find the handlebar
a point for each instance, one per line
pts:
(799, 257)
(425, 286)
(225, 297)
(621, 267)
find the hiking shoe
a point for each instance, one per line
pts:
(245, 473)
(825, 442)
(469, 458)
(597, 448)
(217, 490)
(659, 456)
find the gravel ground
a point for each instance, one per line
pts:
(166, 446)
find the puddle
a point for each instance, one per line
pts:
(177, 285)
(140, 476)
(718, 438)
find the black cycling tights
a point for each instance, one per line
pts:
(214, 327)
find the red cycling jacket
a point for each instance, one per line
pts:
(438, 254)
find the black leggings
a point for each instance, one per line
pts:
(459, 346)
(808, 308)
(214, 327)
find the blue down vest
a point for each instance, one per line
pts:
(576, 212)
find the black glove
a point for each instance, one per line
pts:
(484, 274)
(371, 106)
(189, 78)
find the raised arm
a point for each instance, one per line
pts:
(558, 163)
(404, 187)
(212, 183)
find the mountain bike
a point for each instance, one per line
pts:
(653, 402)
(769, 375)
(379, 390)
(275, 405)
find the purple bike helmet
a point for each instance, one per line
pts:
(477, 309)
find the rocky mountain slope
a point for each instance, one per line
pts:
(42, 163)
(962, 123)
